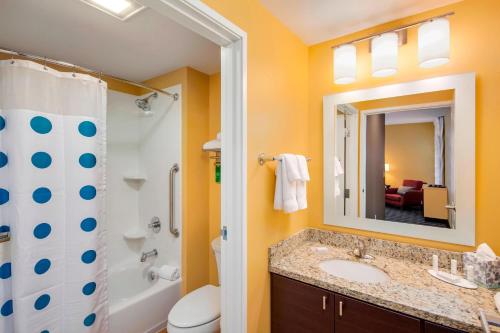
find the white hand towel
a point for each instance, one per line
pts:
(301, 184)
(486, 251)
(303, 168)
(337, 168)
(292, 167)
(497, 301)
(278, 188)
(337, 171)
(285, 195)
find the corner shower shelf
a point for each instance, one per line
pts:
(134, 233)
(135, 178)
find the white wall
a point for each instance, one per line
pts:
(159, 149)
(149, 146)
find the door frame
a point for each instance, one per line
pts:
(200, 18)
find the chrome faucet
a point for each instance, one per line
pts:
(146, 255)
(360, 250)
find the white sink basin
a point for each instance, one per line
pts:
(354, 271)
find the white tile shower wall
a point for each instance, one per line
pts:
(148, 146)
(122, 197)
(159, 149)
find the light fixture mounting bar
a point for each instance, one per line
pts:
(398, 29)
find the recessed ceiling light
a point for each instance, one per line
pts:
(121, 9)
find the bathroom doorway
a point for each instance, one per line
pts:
(205, 22)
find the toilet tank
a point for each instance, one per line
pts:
(216, 249)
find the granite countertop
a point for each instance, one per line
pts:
(411, 290)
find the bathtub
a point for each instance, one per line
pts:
(138, 305)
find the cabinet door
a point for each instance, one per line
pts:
(297, 307)
(353, 316)
(435, 328)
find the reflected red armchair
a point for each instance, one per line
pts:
(413, 197)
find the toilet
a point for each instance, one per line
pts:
(198, 311)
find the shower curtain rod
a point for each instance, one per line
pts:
(45, 60)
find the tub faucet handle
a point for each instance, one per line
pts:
(146, 255)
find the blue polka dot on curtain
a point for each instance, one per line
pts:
(42, 302)
(41, 125)
(42, 230)
(89, 320)
(41, 160)
(87, 160)
(42, 195)
(3, 159)
(88, 192)
(88, 224)
(42, 266)
(87, 128)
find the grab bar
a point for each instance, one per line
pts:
(4, 237)
(173, 170)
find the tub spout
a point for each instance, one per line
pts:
(146, 255)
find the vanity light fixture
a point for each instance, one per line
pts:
(434, 43)
(433, 49)
(344, 64)
(120, 9)
(385, 54)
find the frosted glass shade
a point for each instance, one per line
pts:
(385, 54)
(344, 64)
(434, 43)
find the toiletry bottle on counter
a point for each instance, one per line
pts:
(453, 266)
(435, 263)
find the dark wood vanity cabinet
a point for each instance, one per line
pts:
(356, 316)
(297, 307)
(300, 308)
(435, 328)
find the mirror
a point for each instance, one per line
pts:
(392, 154)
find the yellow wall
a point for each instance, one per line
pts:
(409, 150)
(195, 164)
(471, 50)
(213, 187)
(277, 122)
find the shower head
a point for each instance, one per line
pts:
(144, 104)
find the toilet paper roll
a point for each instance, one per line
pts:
(167, 272)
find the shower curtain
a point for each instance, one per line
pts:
(439, 150)
(52, 169)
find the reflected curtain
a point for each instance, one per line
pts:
(439, 151)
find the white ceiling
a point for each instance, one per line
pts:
(316, 21)
(142, 47)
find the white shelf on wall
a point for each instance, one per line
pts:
(135, 177)
(135, 233)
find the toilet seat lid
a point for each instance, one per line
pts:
(199, 307)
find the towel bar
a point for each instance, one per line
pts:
(263, 158)
(4, 237)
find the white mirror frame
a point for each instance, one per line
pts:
(464, 152)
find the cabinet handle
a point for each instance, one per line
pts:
(341, 305)
(324, 302)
